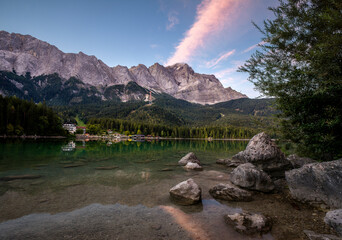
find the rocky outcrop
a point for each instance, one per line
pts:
(190, 157)
(262, 152)
(334, 220)
(315, 236)
(193, 166)
(24, 53)
(249, 177)
(317, 183)
(249, 223)
(230, 192)
(186, 193)
(298, 162)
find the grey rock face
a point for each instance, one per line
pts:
(334, 220)
(230, 192)
(249, 223)
(249, 177)
(190, 157)
(186, 193)
(317, 183)
(298, 162)
(25, 53)
(230, 162)
(193, 166)
(315, 236)
(262, 152)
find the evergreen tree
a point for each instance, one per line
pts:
(301, 65)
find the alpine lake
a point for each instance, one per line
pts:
(55, 189)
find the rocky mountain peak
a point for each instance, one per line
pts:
(24, 53)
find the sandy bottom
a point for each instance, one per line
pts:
(142, 211)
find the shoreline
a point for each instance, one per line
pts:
(95, 137)
(32, 137)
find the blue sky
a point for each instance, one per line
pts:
(212, 36)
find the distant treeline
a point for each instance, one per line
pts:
(96, 126)
(18, 117)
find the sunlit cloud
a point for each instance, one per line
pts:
(254, 46)
(214, 62)
(172, 20)
(212, 16)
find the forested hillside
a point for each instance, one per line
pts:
(18, 117)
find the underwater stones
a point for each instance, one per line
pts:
(249, 223)
(15, 177)
(186, 192)
(230, 192)
(190, 157)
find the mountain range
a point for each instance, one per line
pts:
(31, 68)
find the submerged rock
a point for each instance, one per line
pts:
(298, 162)
(334, 220)
(317, 183)
(193, 166)
(249, 177)
(262, 152)
(315, 236)
(14, 177)
(190, 157)
(106, 168)
(230, 162)
(230, 192)
(249, 223)
(186, 193)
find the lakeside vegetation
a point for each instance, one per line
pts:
(21, 117)
(99, 126)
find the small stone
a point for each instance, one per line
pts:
(334, 219)
(186, 193)
(190, 157)
(230, 192)
(249, 223)
(315, 236)
(193, 166)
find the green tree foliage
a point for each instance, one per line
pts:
(18, 117)
(301, 64)
(97, 125)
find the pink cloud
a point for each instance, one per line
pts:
(216, 61)
(254, 46)
(212, 17)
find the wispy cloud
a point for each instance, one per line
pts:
(153, 46)
(254, 46)
(212, 17)
(214, 62)
(172, 20)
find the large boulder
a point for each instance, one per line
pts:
(190, 157)
(334, 220)
(230, 192)
(298, 162)
(193, 166)
(186, 193)
(262, 152)
(249, 177)
(249, 223)
(317, 183)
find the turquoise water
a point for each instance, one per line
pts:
(79, 182)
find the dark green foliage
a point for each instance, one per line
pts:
(301, 65)
(97, 126)
(18, 117)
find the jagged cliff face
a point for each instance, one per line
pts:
(24, 53)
